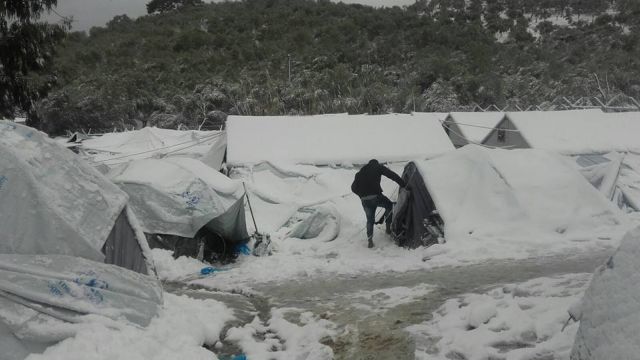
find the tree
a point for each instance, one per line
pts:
(161, 6)
(26, 53)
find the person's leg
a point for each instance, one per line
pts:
(384, 202)
(370, 212)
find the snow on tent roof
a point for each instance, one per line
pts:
(334, 139)
(175, 196)
(476, 126)
(116, 148)
(51, 202)
(509, 194)
(442, 116)
(579, 131)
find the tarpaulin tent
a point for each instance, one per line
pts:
(117, 148)
(488, 193)
(52, 202)
(60, 220)
(183, 197)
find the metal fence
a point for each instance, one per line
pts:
(618, 103)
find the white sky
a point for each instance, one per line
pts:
(88, 13)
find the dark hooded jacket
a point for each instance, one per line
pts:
(367, 180)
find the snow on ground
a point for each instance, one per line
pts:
(170, 269)
(515, 321)
(383, 299)
(288, 334)
(180, 330)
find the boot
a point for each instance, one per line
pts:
(370, 243)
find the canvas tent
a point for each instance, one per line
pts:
(471, 127)
(487, 193)
(334, 139)
(65, 228)
(570, 132)
(117, 148)
(184, 198)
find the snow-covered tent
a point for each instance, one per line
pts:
(471, 127)
(61, 221)
(482, 193)
(570, 132)
(52, 202)
(334, 139)
(609, 313)
(117, 148)
(185, 198)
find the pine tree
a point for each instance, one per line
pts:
(26, 52)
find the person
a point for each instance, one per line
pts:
(366, 185)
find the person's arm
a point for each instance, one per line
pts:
(391, 175)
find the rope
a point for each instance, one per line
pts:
(473, 142)
(485, 127)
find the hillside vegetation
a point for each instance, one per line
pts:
(193, 65)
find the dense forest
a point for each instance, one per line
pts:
(190, 64)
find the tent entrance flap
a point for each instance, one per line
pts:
(416, 221)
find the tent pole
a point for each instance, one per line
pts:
(250, 209)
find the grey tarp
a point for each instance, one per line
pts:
(413, 207)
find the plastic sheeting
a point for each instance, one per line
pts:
(322, 222)
(41, 297)
(616, 175)
(117, 148)
(51, 202)
(180, 196)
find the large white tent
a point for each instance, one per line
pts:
(334, 139)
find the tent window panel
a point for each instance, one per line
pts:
(502, 135)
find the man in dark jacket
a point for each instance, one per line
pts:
(367, 186)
